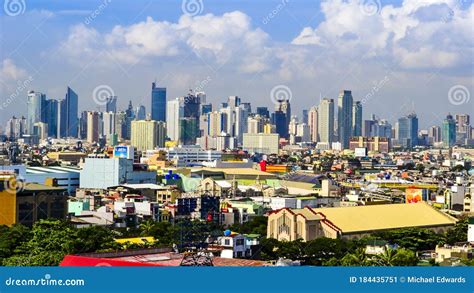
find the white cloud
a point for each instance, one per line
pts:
(10, 72)
(417, 34)
(215, 39)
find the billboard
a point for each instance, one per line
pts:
(124, 151)
(414, 195)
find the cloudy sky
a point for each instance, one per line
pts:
(397, 57)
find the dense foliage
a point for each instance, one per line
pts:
(48, 241)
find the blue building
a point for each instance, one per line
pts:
(345, 104)
(158, 103)
(68, 111)
(408, 131)
(448, 132)
(51, 113)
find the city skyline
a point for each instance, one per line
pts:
(386, 74)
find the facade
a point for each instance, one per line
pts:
(313, 124)
(148, 134)
(35, 104)
(102, 173)
(68, 115)
(191, 155)
(326, 121)
(261, 143)
(158, 103)
(357, 119)
(111, 104)
(408, 131)
(344, 117)
(377, 144)
(174, 112)
(92, 127)
(449, 131)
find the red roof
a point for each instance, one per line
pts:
(82, 261)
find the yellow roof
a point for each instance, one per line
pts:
(385, 216)
(137, 240)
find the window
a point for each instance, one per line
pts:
(227, 242)
(239, 242)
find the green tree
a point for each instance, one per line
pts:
(386, 259)
(458, 233)
(405, 257)
(11, 239)
(357, 258)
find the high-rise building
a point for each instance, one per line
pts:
(255, 124)
(52, 116)
(158, 103)
(281, 117)
(111, 104)
(109, 124)
(305, 116)
(313, 124)
(140, 112)
(148, 134)
(68, 111)
(263, 112)
(92, 127)
(449, 131)
(15, 128)
(36, 104)
(174, 111)
(344, 117)
(188, 130)
(215, 125)
(357, 119)
(434, 134)
(408, 131)
(326, 120)
(40, 130)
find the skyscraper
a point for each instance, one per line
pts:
(36, 104)
(434, 134)
(326, 120)
(68, 120)
(263, 111)
(174, 112)
(158, 103)
(140, 112)
(449, 131)
(344, 117)
(109, 124)
(92, 127)
(52, 116)
(313, 124)
(148, 134)
(357, 119)
(281, 117)
(408, 131)
(111, 104)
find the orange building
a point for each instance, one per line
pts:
(8, 186)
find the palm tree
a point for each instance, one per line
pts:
(146, 228)
(387, 258)
(357, 258)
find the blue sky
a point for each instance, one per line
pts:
(396, 56)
